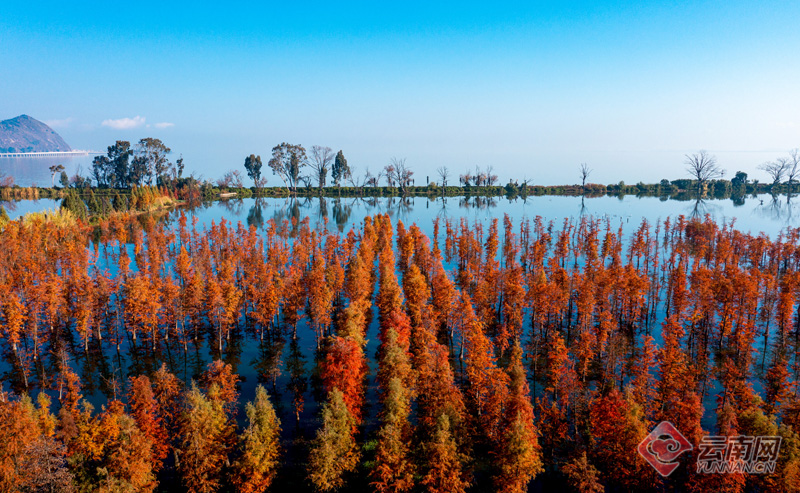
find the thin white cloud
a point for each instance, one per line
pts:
(165, 125)
(63, 123)
(124, 123)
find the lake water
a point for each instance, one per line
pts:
(35, 171)
(762, 214)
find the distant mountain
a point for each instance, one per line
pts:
(26, 134)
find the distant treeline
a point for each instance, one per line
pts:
(125, 168)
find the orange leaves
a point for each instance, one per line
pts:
(617, 426)
(518, 453)
(562, 380)
(166, 391)
(142, 306)
(488, 384)
(394, 469)
(567, 309)
(128, 462)
(144, 410)
(220, 375)
(344, 368)
(416, 292)
(390, 297)
(13, 317)
(18, 427)
(445, 472)
(320, 296)
(265, 295)
(512, 313)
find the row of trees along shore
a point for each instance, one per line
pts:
(147, 164)
(506, 354)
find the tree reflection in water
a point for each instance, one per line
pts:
(776, 209)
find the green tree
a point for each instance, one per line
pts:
(287, 161)
(340, 170)
(64, 180)
(95, 207)
(73, 203)
(119, 156)
(394, 470)
(179, 167)
(334, 451)
(260, 446)
(252, 164)
(120, 202)
(739, 179)
(54, 170)
(101, 170)
(202, 451)
(153, 154)
(137, 172)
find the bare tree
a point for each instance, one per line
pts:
(491, 178)
(793, 168)
(231, 179)
(479, 177)
(372, 180)
(585, 172)
(321, 160)
(702, 166)
(397, 173)
(776, 169)
(355, 181)
(465, 179)
(43, 467)
(6, 180)
(443, 174)
(389, 171)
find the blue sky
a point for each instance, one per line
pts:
(532, 89)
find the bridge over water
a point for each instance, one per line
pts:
(47, 154)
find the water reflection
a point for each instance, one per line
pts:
(760, 214)
(342, 210)
(233, 206)
(763, 213)
(255, 216)
(701, 207)
(478, 202)
(777, 209)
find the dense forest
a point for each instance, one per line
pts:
(508, 355)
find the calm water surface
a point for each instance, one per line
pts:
(35, 171)
(754, 215)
